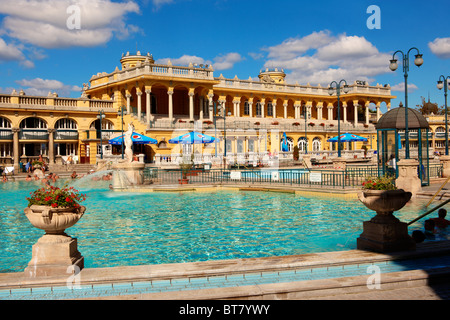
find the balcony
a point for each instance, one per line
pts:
(66, 135)
(6, 134)
(33, 134)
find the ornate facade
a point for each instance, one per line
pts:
(164, 101)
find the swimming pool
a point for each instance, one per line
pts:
(120, 229)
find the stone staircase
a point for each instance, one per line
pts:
(79, 168)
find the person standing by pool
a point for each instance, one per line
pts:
(28, 166)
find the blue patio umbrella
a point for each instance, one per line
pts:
(137, 138)
(284, 143)
(347, 137)
(192, 137)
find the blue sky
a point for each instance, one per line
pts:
(43, 47)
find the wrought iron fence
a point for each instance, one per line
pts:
(352, 177)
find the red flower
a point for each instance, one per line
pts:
(54, 205)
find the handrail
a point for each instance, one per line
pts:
(438, 192)
(428, 212)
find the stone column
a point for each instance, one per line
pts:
(139, 104)
(250, 109)
(211, 105)
(297, 111)
(355, 109)
(51, 146)
(274, 109)
(170, 93)
(408, 179)
(445, 161)
(367, 112)
(148, 107)
(236, 105)
(319, 111)
(16, 148)
(262, 108)
(330, 112)
(191, 106)
(202, 102)
(378, 111)
(344, 111)
(128, 103)
(285, 109)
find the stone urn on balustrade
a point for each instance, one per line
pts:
(384, 232)
(54, 210)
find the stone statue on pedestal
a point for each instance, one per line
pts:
(129, 143)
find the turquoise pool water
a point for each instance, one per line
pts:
(121, 229)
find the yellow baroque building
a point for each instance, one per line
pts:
(249, 117)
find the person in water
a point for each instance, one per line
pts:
(441, 222)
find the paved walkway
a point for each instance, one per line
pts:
(423, 273)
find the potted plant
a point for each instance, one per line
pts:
(296, 124)
(312, 124)
(55, 209)
(257, 123)
(185, 168)
(37, 164)
(322, 124)
(275, 123)
(384, 232)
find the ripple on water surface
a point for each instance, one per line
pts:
(121, 229)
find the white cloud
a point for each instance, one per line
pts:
(41, 87)
(440, 47)
(99, 21)
(401, 87)
(223, 62)
(9, 52)
(227, 61)
(323, 58)
(184, 60)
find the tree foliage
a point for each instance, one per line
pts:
(427, 107)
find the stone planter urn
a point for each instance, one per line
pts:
(385, 232)
(55, 251)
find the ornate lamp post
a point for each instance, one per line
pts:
(213, 108)
(122, 111)
(346, 89)
(443, 83)
(225, 136)
(418, 61)
(100, 116)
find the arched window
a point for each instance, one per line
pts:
(302, 145)
(246, 108)
(5, 123)
(66, 124)
(258, 109)
(5, 132)
(66, 129)
(33, 123)
(316, 144)
(290, 143)
(270, 109)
